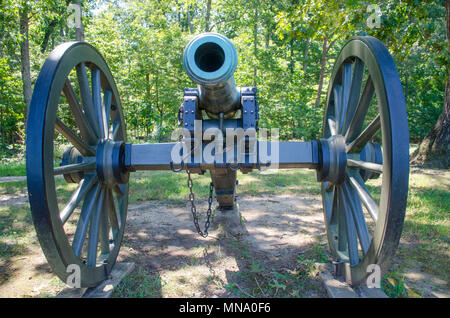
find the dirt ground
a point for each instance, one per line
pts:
(160, 238)
(275, 230)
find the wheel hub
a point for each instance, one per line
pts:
(110, 163)
(72, 156)
(332, 160)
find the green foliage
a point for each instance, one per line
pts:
(11, 106)
(415, 33)
(279, 45)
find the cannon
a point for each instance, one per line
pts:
(361, 159)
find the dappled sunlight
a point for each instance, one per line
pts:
(162, 238)
(283, 230)
(247, 179)
(24, 270)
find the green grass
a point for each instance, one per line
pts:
(13, 163)
(13, 187)
(168, 186)
(425, 231)
(256, 280)
(10, 170)
(16, 237)
(139, 284)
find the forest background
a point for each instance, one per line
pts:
(286, 48)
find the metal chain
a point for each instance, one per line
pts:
(194, 208)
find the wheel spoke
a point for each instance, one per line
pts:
(365, 136)
(346, 86)
(358, 217)
(94, 229)
(334, 206)
(341, 219)
(332, 125)
(82, 147)
(329, 186)
(86, 212)
(97, 101)
(86, 97)
(352, 239)
(121, 201)
(116, 128)
(117, 190)
(104, 227)
(371, 166)
(112, 213)
(329, 198)
(107, 96)
(84, 186)
(337, 92)
(85, 129)
(74, 167)
(357, 121)
(355, 90)
(358, 184)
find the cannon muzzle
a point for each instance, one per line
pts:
(210, 60)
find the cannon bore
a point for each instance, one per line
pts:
(210, 60)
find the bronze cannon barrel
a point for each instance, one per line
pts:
(210, 60)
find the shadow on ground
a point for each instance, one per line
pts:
(272, 255)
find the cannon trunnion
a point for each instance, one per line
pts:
(364, 140)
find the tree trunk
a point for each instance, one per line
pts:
(51, 27)
(305, 60)
(48, 33)
(267, 37)
(189, 22)
(137, 135)
(323, 63)
(25, 58)
(434, 149)
(79, 32)
(255, 47)
(207, 16)
(147, 101)
(147, 87)
(1, 44)
(2, 130)
(291, 56)
(269, 27)
(160, 109)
